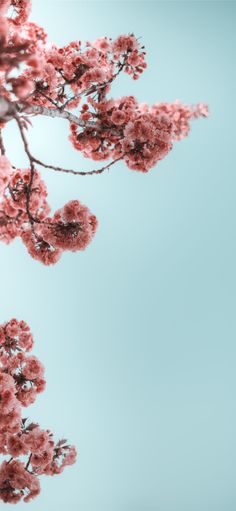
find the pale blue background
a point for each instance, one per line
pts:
(138, 332)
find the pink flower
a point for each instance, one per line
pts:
(103, 44)
(202, 110)
(32, 368)
(70, 457)
(118, 117)
(71, 228)
(26, 396)
(40, 249)
(5, 4)
(38, 199)
(5, 172)
(180, 115)
(9, 405)
(22, 9)
(3, 441)
(12, 328)
(124, 43)
(40, 384)
(147, 139)
(37, 440)
(8, 228)
(3, 30)
(23, 87)
(6, 382)
(17, 483)
(39, 461)
(26, 341)
(7, 401)
(16, 445)
(63, 455)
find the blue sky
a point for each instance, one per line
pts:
(137, 333)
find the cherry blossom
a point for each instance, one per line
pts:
(16, 482)
(73, 82)
(71, 227)
(31, 451)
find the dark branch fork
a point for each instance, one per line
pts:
(32, 171)
(16, 110)
(99, 88)
(33, 160)
(21, 110)
(10, 111)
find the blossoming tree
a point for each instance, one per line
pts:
(31, 451)
(72, 83)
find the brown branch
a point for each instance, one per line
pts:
(32, 171)
(2, 148)
(77, 173)
(33, 160)
(51, 112)
(39, 91)
(9, 110)
(28, 462)
(64, 114)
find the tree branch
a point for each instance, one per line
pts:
(52, 112)
(9, 111)
(2, 147)
(32, 172)
(28, 462)
(100, 86)
(77, 173)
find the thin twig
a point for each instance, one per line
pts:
(28, 462)
(95, 88)
(32, 171)
(2, 148)
(77, 173)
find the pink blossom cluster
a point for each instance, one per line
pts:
(50, 72)
(5, 173)
(139, 134)
(73, 82)
(70, 228)
(31, 450)
(19, 42)
(25, 371)
(180, 116)
(70, 82)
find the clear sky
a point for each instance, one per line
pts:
(137, 333)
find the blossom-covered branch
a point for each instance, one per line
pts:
(73, 83)
(29, 450)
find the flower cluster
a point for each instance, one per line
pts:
(19, 42)
(49, 72)
(71, 228)
(26, 215)
(21, 379)
(138, 134)
(73, 82)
